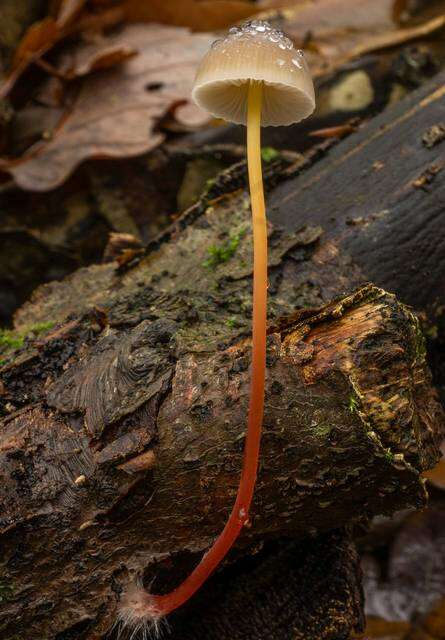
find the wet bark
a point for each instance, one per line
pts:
(123, 429)
(294, 591)
(129, 450)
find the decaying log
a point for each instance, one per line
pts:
(301, 590)
(122, 439)
(131, 450)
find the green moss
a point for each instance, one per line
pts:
(322, 430)
(353, 403)
(231, 322)
(10, 340)
(40, 327)
(389, 455)
(268, 154)
(222, 253)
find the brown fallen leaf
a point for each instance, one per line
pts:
(88, 57)
(436, 476)
(38, 39)
(332, 34)
(379, 629)
(330, 31)
(116, 112)
(68, 11)
(204, 15)
(431, 626)
(340, 131)
(40, 36)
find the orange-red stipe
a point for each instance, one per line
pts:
(164, 604)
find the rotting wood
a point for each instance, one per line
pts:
(296, 591)
(351, 420)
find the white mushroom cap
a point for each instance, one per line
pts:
(255, 51)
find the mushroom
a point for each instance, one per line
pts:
(254, 76)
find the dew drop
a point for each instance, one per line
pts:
(281, 62)
(297, 63)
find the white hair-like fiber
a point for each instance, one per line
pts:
(138, 618)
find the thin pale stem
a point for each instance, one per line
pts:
(239, 516)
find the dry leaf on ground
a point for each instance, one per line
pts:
(38, 39)
(204, 15)
(116, 112)
(116, 115)
(333, 34)
(431, 626)
(437, 475)
(68, 11)
(88, 57)
(378, 629)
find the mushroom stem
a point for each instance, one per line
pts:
(259, 317)
(161, 605)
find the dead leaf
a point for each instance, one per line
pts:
(379, 629)
(88, 57)
(398, 37)
(116, 112)
(436, 476)
(118, 244)
(431, 626)
(340, 131)
(206, 15)
(333, 35)
(38, 39)
(40, 36)
(400, 10)
(68, 11)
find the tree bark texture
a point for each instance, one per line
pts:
(132, 454)
(123, 430)
(301, 590)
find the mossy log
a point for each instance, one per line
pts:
(123, 430)
(131, 453)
